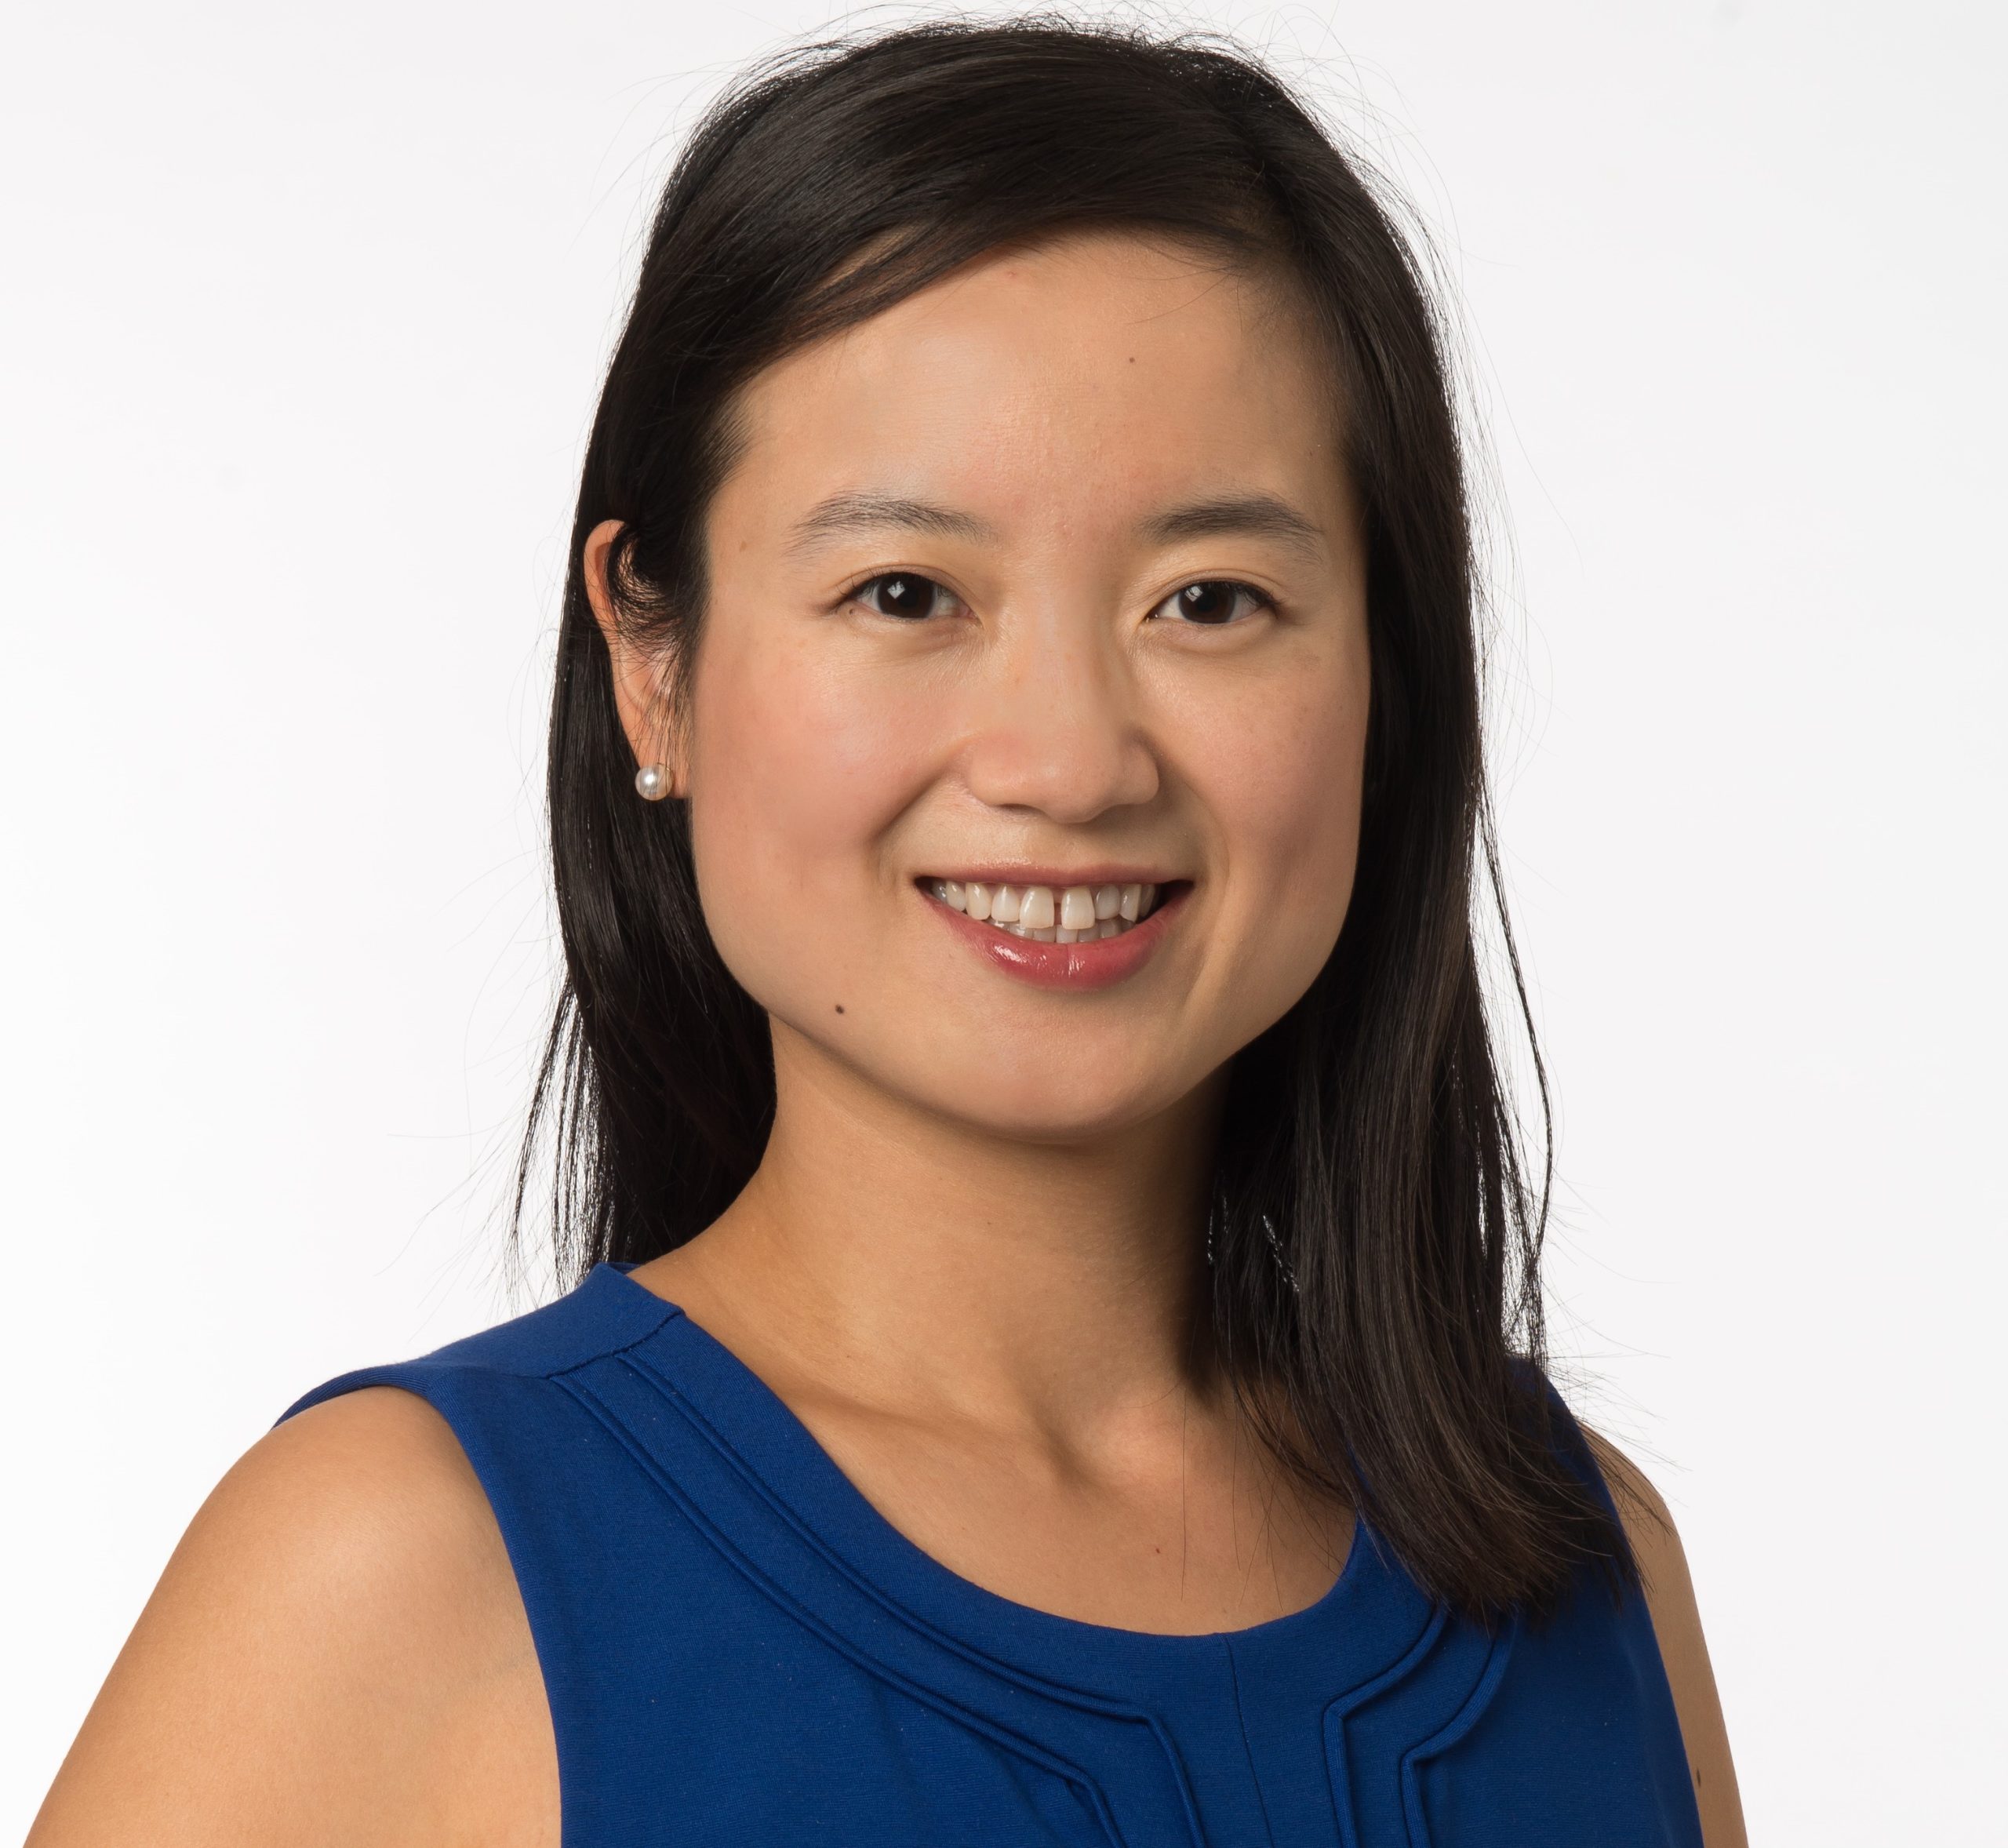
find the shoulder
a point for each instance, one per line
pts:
(336, 1649)
(603, 1314)
(1648, 1523)
(1669, 1589)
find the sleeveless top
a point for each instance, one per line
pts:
(739, 1650)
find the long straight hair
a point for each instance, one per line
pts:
(1376, 1230)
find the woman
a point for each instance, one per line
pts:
(1054, 1351)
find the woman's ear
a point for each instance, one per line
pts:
(640, 687)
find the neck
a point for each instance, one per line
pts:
(1034, 1285)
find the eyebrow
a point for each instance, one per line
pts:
(1261, 516)
(844, 516)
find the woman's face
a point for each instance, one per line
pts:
(1049, 576)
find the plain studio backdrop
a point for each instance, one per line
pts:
(304, 315)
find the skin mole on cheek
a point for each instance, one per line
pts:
(840, 1007)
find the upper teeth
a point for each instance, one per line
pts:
(1072, 914)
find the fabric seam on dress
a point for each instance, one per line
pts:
(1247, 1751)
(1446, 1736)
(1028, 1749)
(1057, 1691)
(730, 1453)
(1341, 1708)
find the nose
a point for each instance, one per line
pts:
(1055, 727)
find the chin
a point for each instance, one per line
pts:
(1028, 1112)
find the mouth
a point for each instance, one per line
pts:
(1083, 912)
(1091, 932)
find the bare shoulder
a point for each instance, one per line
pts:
(1648, 1525)
(336, 1652)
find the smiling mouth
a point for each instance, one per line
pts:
(1052, 913)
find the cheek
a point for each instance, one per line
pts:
(796, 770)
(1286, 784)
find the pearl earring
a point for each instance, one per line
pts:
(652, 782)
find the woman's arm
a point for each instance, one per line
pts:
(1677, 1622)
(336, 1652)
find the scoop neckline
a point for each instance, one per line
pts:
(792, 1466)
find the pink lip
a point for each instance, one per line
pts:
(1077, 967)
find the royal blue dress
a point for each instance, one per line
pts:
(739, 1650)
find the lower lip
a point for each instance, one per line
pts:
(1077, 967)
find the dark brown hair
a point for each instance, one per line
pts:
(1376, 1228)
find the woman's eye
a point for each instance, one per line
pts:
(1212, 601)
(906, 594)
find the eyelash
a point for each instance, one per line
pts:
(860, 592)
(1259, 598)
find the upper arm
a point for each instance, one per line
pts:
(334, 1645)
(1677, 1624)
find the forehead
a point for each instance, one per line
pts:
(1088, 373)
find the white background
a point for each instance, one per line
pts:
(301, 330)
